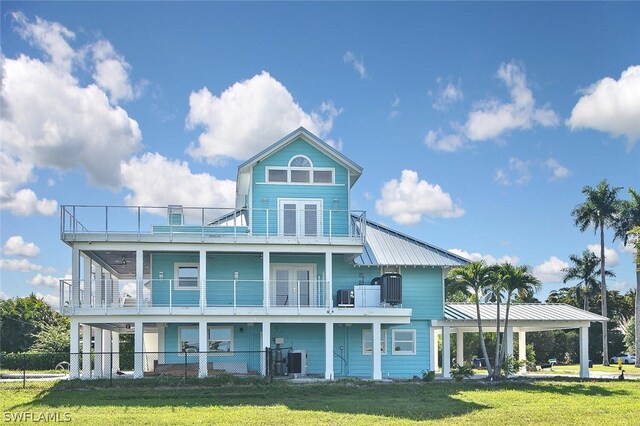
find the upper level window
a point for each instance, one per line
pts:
(300, 170)
(186, 276)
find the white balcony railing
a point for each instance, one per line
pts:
(301, 222)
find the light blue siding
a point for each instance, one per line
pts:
(164, 263)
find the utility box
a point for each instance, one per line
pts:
(297, 363)
(345, 298)
(366, 296)
(391, 289)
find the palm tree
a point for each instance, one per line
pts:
(628, 228)
(476, 276)
(599, 210)
(516, 280)
(584, 269)
(494, 295)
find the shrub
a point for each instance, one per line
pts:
(32, 360)
(428, 376)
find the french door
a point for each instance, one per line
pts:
(299, 217)
(293, 285)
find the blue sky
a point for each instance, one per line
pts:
(477, 124)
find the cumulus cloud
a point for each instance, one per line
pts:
(551, 270)
(610, 255)
(517, 173)
(112, 72)
(558, 171)
(25, 202)
(20, 265)
(249, 116)
(16, 246)
(441, 142)
(16, 173)
(410, 198)
(489, 259)
(158, 181)
(358, 63)
(446, 95)
(50, 299)
(47, 281)
(50, 120)
(611, 106)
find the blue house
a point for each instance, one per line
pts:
(291, 268)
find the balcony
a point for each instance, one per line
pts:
(211, 297)
(293, 224)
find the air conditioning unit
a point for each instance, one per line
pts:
(345, 298)
(297, 363)
(391, 289)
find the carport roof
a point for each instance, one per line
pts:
(520, 312)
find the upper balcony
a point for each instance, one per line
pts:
(295, 223)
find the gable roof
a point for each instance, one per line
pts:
(354, 169)
(386, 247)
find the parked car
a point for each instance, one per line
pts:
(626, 358)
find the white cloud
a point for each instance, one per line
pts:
(112, 72)
(558, 171)
(50, 299)
(551, 270)
(4, 296)
(408, 199)
(25, 202)
(517, 173)
(439, 142)
(447, 94)
(358, 64)
(47, 281)
(16, 246)
(611, 106)
(158, 181)
(249, 116)
(42, 102)
(395, 104)
(610, 255)
(21, 265)
(489, 259)
(621, 286)
(630, 247)
(491, 118)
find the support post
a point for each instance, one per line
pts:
(436, 364)
(99, 287)
(203, 343)
(115, 348)
(74, 358)
(139, 277)
(75, 278)
(138, 364)
(106, 348)
(584, 352)
(97, 353)
(522, 350)
(161, 339)
(86, 351)
(446, 352)
(328, 351)
(86, 283)
(202, 272)
(266, 262)
(328, 265)
(266, 343)
(433, 349)
(375, 350)
(459, 347)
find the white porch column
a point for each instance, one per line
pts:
(161, 347)
(74, 358)
(138, 366)
(376, 354)
(264, 344)
(436, 365)
(522, 350)
(86, 282)
(86, 351)
(508, 336)
(203, 343)
(446, 351)
(584, 352)
(115, 347)
(328, 266)
(107, 348)
(266, 275)
(202, 272)
(459, 347)
(97, 352)
(328, 351)
(99, 286)
(433, 349)
(75, 278)
(139, 277)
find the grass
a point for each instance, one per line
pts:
(231, 401)
(575, 369)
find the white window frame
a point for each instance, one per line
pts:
(293, 268)
(311, 169)
(389, 269)
(383, 341)
(176, 277)
(190, 327)
(413, 340)
(300, 202)
(231, 334)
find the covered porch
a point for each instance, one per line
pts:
(460, 318)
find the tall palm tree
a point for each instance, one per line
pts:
(599, 211)
(628, 228)
(516, 280)
(476, 276)
(584, 269)
(494, 295)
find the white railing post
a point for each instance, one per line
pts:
(267, 225)
(235, 293)
(330, 225)
(298, 294)
(170, 295)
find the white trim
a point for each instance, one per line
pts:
(383, 340)
(393, 341)
(397, 269)
(193, 327)
(176, 278)
(311, 267)
(303, 156)
(231, 329)
(300, 214)
(288, 169)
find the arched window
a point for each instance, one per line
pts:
(300, 161)
(300, 170)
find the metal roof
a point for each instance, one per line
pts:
(520, 312)
(387, 247)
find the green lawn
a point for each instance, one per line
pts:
(575, 369)
(474, 403)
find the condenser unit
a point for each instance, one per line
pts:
(391, 289)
